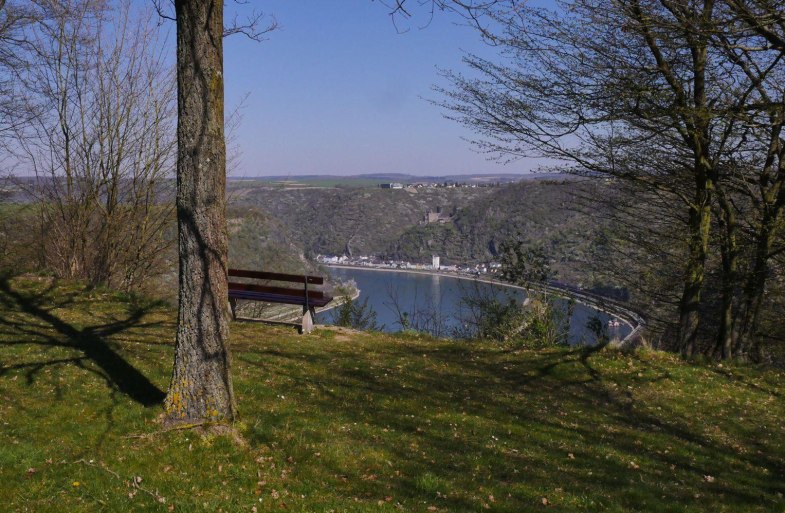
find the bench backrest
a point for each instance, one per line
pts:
(249, 287)
(260, 275)
(278, 293)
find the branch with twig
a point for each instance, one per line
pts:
(252, 26)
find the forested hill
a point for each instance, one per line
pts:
(281, 228)
(391, 222)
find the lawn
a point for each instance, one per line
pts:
(345, 421)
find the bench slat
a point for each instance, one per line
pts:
(248, 287)
(260, 275)
(277, 298)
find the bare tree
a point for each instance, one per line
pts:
(473, 12)
(646, 91)
(756, 46)
(98, 135)
(15, 21)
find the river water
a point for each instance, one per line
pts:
(436, 303)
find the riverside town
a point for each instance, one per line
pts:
(375, 262)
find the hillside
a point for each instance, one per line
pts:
(348, 421)
(539, 212)
(282, 228)
(390, 223)
(259, 241)
(353, 221)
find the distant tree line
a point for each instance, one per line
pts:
(682, 103)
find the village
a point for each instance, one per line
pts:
(434, 266)
(449, 184)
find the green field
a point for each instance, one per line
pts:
(346, 421)
(319, 182)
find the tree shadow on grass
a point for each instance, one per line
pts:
(47, 329)
(549, 420)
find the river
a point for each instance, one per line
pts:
(435, 303)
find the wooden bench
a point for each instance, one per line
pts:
(307, 297)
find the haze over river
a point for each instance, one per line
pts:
(436, 302)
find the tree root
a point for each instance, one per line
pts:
(207, 427)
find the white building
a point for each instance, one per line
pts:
(435, 263)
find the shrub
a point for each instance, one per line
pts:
(357, 315)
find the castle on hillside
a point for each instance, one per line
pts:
(436, 217)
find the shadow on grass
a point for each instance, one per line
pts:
(487, 423)
(39, 326)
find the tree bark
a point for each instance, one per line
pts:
(755, 290)
(700, 212)
(689, 305)
(201, 387)
(730, 277)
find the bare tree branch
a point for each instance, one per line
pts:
(253, 26)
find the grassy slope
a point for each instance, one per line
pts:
(341, 421)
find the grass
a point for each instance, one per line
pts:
(344, 421)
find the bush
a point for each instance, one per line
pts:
(540, 321)
(492, 318)
(357, 315)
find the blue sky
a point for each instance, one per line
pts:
(336, 90)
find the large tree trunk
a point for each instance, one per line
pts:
(730, 277)
(699, 225)
(755, 290)
(201, 387)
(689, 305)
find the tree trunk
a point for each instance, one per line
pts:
(201, 387)
(730, 277)
(700, 213)
(698, 229)
(770, 227)
(754, 292)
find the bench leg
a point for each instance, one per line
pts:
(233, 307)
(307, 324)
